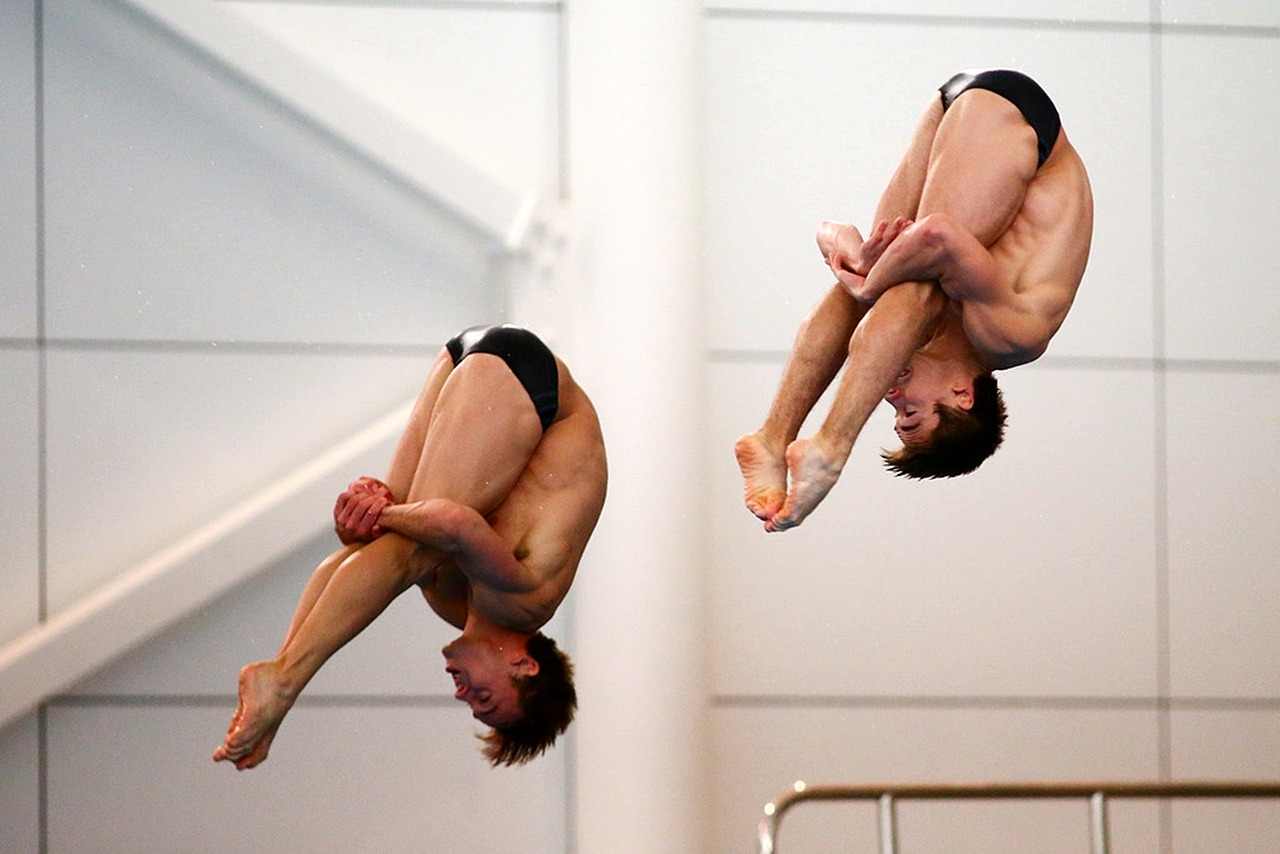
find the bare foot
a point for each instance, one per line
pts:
(764, 476)
(263, 705)
(259, 752)
(813, 472)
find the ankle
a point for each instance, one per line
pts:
(774, 442)
(282, 677)
(834, 453)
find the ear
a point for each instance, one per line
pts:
(526, 665)
(964, 396)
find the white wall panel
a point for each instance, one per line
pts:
(1076, 11)
(1237, 744)
(760, 752)
(158, 443)
(1030, 577)
(1220, 206)
(1110, 125)
(17, 169)
(183, 206)
(1215, 744)
(481, 79)
(339, 779)
(19, 493)
(20, 786)
(1241, 826)
(1224, 592)
(1232, 13)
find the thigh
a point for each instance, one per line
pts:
(482, 432)
(901, 197)
(404, 463)
(983, 157)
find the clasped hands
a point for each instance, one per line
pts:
(355, 515)
(851, 257)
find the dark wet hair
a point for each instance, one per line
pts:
(961, 441)
(547, 699)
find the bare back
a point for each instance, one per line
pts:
(1041, 257)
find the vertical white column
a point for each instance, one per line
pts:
(634, 188)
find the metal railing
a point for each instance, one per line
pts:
(1098, 793)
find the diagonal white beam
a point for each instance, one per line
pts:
(186, 576)
(504, 213)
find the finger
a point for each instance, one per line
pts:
(368, 519)
(340, 506)
(355, 511)
(351, 514)
(372, 512)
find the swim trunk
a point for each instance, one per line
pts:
(1018, 89)
(525, 354)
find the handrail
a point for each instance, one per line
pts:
(887, 796)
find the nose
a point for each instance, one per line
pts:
(892, 393)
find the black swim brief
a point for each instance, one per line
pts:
(1019, 90)
(525, 354)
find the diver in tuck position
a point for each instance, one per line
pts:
(492, 494)
(981, 241)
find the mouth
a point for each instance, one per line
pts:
(459, 686)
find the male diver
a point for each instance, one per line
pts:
(493, 491)
(981, 241)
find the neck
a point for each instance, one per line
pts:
(481, 627)
(950, 343)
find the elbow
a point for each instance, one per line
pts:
(936, 233)
(451, 517)
(441, 522)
